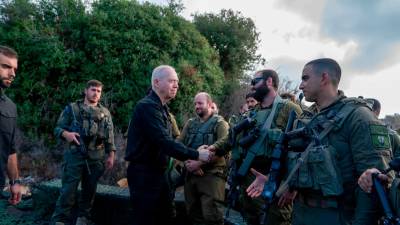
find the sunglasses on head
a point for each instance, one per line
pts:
(256, 80)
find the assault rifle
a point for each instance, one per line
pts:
(389, 216)
(235, 178)
(77, 128)
(275, 170)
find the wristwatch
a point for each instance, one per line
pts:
(16, 181)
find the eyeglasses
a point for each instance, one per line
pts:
(256, 80)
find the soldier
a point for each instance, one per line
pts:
(343, 138)
(271, 116)
(393, 135)
(149, 148)
(8, 124)
(251, 101)
(87, 127)
(205, 182)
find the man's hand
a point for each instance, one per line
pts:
(255, 189)
(287, 198)
(204, 154)
(71, 137)
(193, 165)
(110, 160)
(16, 195)
(365, 180)
(211, 148)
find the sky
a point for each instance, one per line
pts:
(363, 36)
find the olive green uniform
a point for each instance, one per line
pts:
(395, 143)
(97, 133)
(204, 195)
(350, 141)
(252, 208)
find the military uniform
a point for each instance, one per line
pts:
(8, 124)
(394, 143)
(253, 207)
(97, 133)
(204, 195)
(346, 139)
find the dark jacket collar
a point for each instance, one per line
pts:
(153, 95)
(2, 94)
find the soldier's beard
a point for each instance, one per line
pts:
(260, 93)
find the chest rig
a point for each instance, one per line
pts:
(316, 167)
(94, 122)
(199, 133)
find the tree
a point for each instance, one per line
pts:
(236, 39)
(64, 43)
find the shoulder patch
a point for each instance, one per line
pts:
(379, 136)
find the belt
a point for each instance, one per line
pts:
(319, 202)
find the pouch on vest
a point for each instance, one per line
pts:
(319, 172)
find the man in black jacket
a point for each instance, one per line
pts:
(149, 147)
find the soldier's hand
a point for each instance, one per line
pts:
(16, 194)
(71, 137)
(193, 165)
(205, 155)
(287, 198)
(365, 180)
(255, 189)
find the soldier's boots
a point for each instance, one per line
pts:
(83, 221)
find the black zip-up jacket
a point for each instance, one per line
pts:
(150, 141)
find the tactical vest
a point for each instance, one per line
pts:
(270, 138)
(96, 127)
(320, 171)
(199, 134)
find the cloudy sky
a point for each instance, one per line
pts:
(362, 35)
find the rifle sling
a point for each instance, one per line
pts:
(258, 145)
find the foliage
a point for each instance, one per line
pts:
(64, 43)
(236, 39)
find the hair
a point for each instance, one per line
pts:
(159, 72)
(250, 95)
(9, 52)
(327, 65)
(208, 96)
(376, 105)
(94, 83)
(265, 74)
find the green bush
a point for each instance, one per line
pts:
(64, 43)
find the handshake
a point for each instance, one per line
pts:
(206, 153)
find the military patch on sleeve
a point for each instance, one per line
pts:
(379, 136)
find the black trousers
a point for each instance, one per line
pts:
(151, 199)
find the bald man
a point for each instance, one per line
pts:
(205, 182)
(149, 147)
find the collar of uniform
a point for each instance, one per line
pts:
(153, 95)
(339, 97)
(2, 94)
